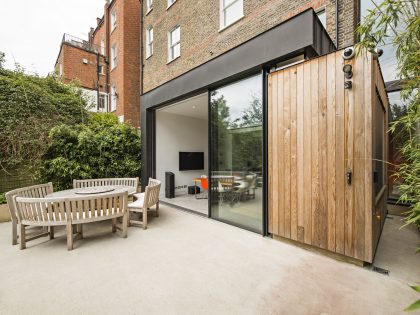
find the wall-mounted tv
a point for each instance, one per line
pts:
(191, 161)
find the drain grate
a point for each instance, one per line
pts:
(380, 270)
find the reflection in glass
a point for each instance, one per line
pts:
(236, 159)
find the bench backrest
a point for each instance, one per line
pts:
(151, 194)
(36, 191)
(56, 211)
(81, 183)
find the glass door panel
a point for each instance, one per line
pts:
(236, 153)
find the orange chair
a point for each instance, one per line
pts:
(204, 183)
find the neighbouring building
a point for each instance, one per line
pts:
(256, 103)
(107, 64)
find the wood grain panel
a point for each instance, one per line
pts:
(319, 131)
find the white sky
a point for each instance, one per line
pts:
(31, 30)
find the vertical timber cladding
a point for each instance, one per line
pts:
(318, 131)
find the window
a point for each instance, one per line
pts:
(114, 97)
(113, 20)
(149, 42)
(101, 69)
(174, 43)
(171, 2)
(113, 56)
(103, 45)
(149, 4)
(230, 12)
(102, 102)
(61, 70)
(322, 16)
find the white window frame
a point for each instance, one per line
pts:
(60, 66)
(113, 19)
(103, 46)
(149, 42)
(101, 69)
(170, 3)
(114, 53)
(114, 98)
(320, 12)
(171, 46)
(223, 9)
(104, 97)
(149, 4)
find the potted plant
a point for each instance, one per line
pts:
(4, 209)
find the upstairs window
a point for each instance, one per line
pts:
(103, 45)
(114, 98)
(113, 56)
(101, 69)
(174, 43)
(171, 2)
(149, 4)
(322, 16)
(149, 42)
(113, 20)
(230, 12)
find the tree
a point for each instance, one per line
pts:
(100, 148)
(398, 21)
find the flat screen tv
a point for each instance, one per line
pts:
(191, 161)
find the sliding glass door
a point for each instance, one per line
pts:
(236, 176)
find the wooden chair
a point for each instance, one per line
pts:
(36, 191)
(68, 212)
(145, 201)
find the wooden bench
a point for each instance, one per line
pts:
(36, 191)
(132, 182)
(144, 202)
(51, 212)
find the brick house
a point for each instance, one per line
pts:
(107, 64)
(224, 102)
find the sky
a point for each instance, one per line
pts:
(31, 30)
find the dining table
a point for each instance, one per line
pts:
(89, 191)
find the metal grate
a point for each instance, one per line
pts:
(380, 270)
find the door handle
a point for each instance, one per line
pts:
(349, 177)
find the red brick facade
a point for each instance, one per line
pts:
(125, 76)
(201, 39)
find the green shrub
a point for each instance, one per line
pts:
(101, 148)
(29, 107)
(2, 199)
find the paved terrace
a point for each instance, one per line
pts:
(186, 264)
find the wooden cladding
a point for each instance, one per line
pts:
(320, 153)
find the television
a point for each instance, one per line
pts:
(191, 161)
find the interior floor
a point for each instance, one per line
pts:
(188, 202)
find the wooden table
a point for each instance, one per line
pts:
(88, 191)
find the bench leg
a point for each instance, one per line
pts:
(125, 224)
(51, 232)
(14, 232)
(157, 209)
(144, 218)
(22, 236)
(80, 230)
(69, 229)
(114, 225)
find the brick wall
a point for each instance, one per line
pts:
(74, 69)
(202, 41)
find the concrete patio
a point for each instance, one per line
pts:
(187, 264)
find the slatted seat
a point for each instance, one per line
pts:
(82, 183)
(69, 212)
(36, 191)
(144, 202)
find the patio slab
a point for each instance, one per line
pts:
(186, 264)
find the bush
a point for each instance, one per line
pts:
(29, 107)
(101, 148)
(2, 199)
